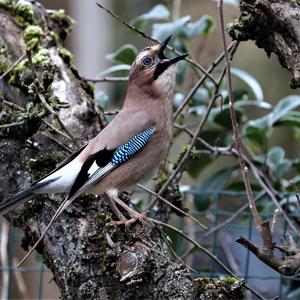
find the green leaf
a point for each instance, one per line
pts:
(200, 110)
(204, 25)
(178, 99)
(275, 155)
(125, 55)
(283, 107)
(161, 31)
(158, 12)
(276, 162)
(214, 183)
(114, 69)
(292, 118)
(195, 167)
(250, 81)
(259, 130)
(224, 119)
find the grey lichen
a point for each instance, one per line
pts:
(228, 288)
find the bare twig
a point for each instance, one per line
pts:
(111, 113)
(174, 253)
(213, 257)
(13, 105)
(236, 134)
(232, 217)
(143, 34)
(276, 215)
(12, 66)
(170, 204)
(231, 47)
(57, 130)
(106, 79)
(14, 124)
(20, 281)
(57, 142)
(225, 240)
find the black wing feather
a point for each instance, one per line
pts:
(102, 158)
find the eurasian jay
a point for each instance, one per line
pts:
(126, 150)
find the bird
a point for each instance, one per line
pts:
(127, 149)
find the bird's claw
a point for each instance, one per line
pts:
(142, 218)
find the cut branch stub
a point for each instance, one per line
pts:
(274, 25)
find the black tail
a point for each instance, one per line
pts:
(16, 200)
(21, 197)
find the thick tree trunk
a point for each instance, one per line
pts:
(88, 256)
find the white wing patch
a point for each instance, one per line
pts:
(65, 178)
(94, 167)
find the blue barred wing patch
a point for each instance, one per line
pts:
(124, 152)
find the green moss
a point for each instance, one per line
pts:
(32, 35)
(230, 280)
(65, 54)
(22, 76)
(41, 58)
(63, 23)
(60, 16)
(23, 12)
(5, 4)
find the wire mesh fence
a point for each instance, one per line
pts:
(32, 280)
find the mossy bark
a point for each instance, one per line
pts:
(88, 256)
(274, 26)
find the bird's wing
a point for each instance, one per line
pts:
(127, 134)
(63, 163)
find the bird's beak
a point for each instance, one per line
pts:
(165, 62)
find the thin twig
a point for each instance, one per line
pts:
(174, 253)
(232, 46)
(13, 105)
(111, 113)
(106, 79)
(12, 66)
(57, 142)
(14, 124)
(213, 257)
(232, 217)
(170, 204)
(56, 130)
(236, 134)
(20, 281)
(143, 34)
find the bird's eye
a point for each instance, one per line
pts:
(147, 61)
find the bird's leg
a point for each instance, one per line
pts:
(136, 216)
(116, 211)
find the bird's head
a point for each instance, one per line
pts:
(153, 72)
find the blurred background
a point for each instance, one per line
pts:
(96, 34)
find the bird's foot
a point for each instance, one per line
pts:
(135, 216)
